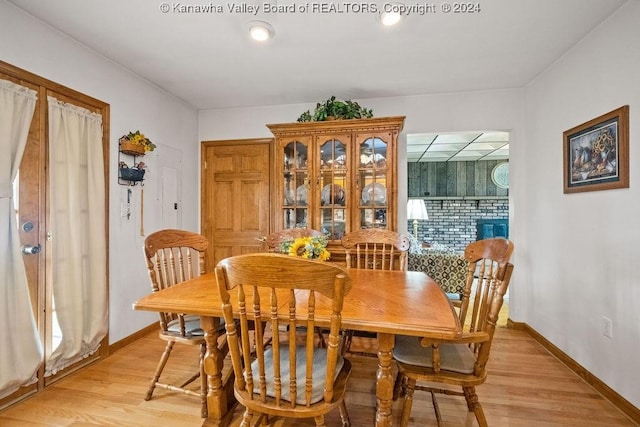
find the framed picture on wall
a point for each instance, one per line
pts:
(596, 153)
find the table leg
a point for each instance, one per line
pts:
(213, 362)
(384, 380)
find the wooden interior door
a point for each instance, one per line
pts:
(235, 197)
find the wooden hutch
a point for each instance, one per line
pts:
(336, 176)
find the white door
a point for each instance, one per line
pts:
(170, 168)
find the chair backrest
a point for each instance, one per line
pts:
(173, 256)
(275, 239)
(488, 278)
(262, 288)
(376, 249)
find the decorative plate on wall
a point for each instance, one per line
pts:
(500, 175)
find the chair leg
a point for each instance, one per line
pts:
(320, 421)
(408, 402)
(345, 345)
(344, 415)
(398, 386)
(322, 343)
(204, 412)
(474, 405)
(263, 420)
(436, 408)
(163, 361)
(246, 418)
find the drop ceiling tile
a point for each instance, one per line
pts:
(462, 146)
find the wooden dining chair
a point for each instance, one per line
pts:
(174, 256)
(373, 249)
(376, 249)
(291, 377)
(460, 362)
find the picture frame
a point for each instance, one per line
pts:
(596, 153)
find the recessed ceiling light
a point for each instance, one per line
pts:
(261, 31)
(391, 14)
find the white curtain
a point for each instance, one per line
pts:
(78, 232)
(20, 348)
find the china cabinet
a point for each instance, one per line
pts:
(336, 176)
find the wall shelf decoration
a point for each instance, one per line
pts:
(130, 170)
(130, 148)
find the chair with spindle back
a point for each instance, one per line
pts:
(462, 361)
(287, 378)
(174, 256)
(374, 249)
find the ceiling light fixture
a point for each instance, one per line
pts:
(261, 31)
(390, 14)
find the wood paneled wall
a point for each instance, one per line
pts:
(453, 179)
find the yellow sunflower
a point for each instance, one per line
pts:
(299, 247)
(307, 247)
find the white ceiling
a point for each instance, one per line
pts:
(463, 146)
(207, 59)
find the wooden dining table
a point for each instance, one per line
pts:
(387, 303)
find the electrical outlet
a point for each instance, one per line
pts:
(607, 327)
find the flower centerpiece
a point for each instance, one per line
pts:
(307, 247)
(135, 143)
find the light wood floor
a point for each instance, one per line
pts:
(526, 387)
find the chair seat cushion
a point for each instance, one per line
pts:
(318, 376)
(191, 325)
(453, 357)
(453, 296)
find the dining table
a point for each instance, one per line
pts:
(387, 303)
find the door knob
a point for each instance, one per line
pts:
(31, 250)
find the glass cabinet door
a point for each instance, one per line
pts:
(373, 183)
(336, 177)
(296, 189)
(333, 186)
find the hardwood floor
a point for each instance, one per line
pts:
(526, 387)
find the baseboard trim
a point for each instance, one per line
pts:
(607, 392)
(133, 337)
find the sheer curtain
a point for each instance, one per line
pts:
(20, 348)
(77, 226)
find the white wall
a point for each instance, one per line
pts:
(581, 251)
(135, 104)
(489, 110)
